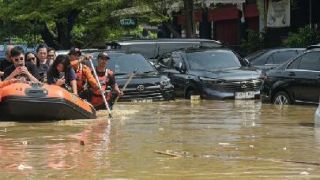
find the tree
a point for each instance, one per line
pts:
(61, 23)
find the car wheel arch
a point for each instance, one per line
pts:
(188, 89)
(276, 91)
(280, 86)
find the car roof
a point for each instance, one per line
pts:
(191, 50)
(315, 46)
(178, 40)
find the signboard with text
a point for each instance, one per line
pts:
(128, 22)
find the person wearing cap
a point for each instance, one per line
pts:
(83, 74)
(107, 81)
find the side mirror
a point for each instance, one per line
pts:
(246, 62)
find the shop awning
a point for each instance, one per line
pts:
(197, 15)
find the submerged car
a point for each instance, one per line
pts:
(152, 49)
(147, 84)
(271, 58)
(297, 81)
(210, 73)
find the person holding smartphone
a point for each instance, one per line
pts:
(62, 74)
(20, 69)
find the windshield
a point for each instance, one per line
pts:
(213, 60)
(127, 63)
(256, 54)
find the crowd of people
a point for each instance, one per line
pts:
(68, 71)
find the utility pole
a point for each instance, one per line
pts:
(188, 7)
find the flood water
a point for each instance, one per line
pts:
(168, 140)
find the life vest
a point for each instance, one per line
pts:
(81, 80)
(97, 99)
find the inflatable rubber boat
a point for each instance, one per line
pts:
(42, 102)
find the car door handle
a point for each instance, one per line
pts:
(292, 74)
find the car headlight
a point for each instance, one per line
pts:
(164, 81)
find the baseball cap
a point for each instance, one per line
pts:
(103, 55)
(75, 51)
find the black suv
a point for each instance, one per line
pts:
(147, 84)
(152, 49)
(211, 73)
(297, 81)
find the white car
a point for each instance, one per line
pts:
(62, 52)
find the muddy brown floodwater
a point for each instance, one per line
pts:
(168, 140)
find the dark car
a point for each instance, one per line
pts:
(211, 73)
(147, 84)
(152, 49)
(2, 52)
(271, 58)
(297, 81)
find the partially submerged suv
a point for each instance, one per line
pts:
(147, 84)
(152, 49)
(211, 73)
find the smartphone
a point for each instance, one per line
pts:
(61, 75)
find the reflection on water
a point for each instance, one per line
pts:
(184, 140)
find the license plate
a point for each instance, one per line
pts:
(244, 95)
(141, 100)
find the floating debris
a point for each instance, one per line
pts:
(22, 167)
(304, 173)
(168, 153)
(82, 142)
(25, 143)
(224, 144)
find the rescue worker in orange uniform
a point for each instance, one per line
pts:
(84, 75)
(107, 81)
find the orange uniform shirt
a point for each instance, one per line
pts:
(86, 75)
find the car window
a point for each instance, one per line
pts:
(270, 59)
(148, 50)
(310, 61)
(128, 63)
(295, 64)
(165, 47)
(284, 56)
(212, 60)
(260, 59)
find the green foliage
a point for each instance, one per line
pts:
(254, 42)
(303, 38)
(61, 23)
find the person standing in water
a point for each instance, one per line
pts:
(107, 81)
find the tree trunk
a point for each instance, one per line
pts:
(63, 38)
(172, 30)
(48, 37)
(188, 8)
